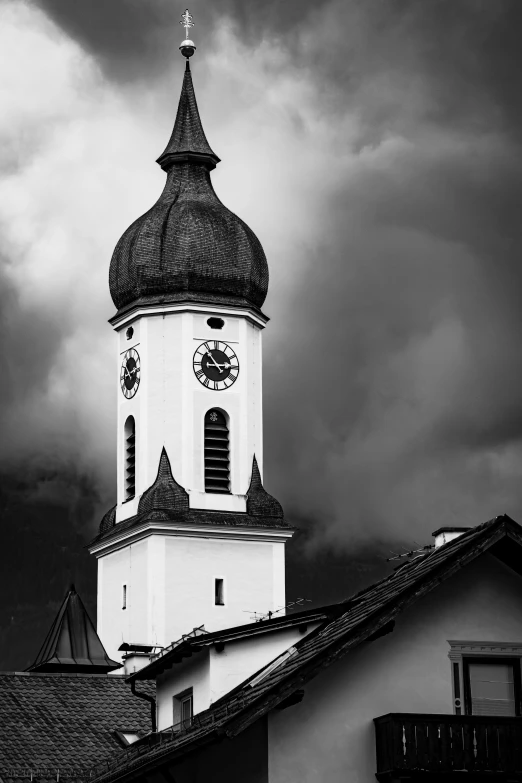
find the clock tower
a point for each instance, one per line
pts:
(194, 538)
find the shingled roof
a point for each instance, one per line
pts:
(64, 723)
(188, 136)
(366, 615)
(188, 247)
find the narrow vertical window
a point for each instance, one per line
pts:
(217, 452)
(124, 597)
(130, 458)
(182, 709)
(219, 592)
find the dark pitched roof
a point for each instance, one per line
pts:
(190, 644)
(72, 644)
(188, 136)
(64, 721)
(188, 246)
(259, 502)
(165, 493)
(364, 616)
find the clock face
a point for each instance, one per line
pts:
(130, 373)
(216, 366)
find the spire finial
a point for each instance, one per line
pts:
(187, 47)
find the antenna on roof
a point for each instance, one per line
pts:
(427, 548)
(259, 618)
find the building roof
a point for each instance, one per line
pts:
(64, 722)
(72, 644)
(188, 246)
(365, 616)
(193, 643)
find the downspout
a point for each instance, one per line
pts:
(150, 699)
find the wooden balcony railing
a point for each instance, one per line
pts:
(410, 744)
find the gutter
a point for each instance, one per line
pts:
(150, 699)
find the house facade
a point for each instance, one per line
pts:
(417, 677)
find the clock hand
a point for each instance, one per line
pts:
(214, 362)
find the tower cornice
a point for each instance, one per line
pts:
(121, 539)
(137, 310)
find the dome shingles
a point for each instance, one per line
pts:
(188, 246)
(259, 502)
(165, 494)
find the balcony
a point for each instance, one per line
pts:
(428, 747)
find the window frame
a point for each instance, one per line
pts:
(186, 696)
(464, 652)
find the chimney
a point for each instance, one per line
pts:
(135, 656)
(445, 534)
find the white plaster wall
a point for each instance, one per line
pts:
(192, 565)
(242, 658)
(211, 674)
(116, 625)
(330, 734)
(193, 673)
(170, 405)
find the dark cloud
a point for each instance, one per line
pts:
(383, 150)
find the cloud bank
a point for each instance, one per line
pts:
(375, 150)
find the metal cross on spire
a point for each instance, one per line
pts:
(187, 48)
(186, 22)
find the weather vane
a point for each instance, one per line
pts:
(187, 48)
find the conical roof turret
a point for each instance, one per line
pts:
(72, 644)
(188, 246)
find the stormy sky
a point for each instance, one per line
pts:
(375, 149)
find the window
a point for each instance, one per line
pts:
(215, 323)
(219, 592)
(492, 686)
(182, 709)
(217, 456)
(486, 677)
(130, 458)
(124, 597)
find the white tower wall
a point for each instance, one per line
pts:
(170, 404)
(169, 578)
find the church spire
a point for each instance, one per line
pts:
(188, 141)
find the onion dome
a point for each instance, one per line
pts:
(259, 502)
(188, 246)
(165, 494)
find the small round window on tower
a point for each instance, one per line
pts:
(129, 333)
(216, 323)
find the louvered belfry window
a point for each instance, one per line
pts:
(130, 458)
(217, 452)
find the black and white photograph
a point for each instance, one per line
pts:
(261, 391)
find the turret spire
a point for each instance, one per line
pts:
(188, 141)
